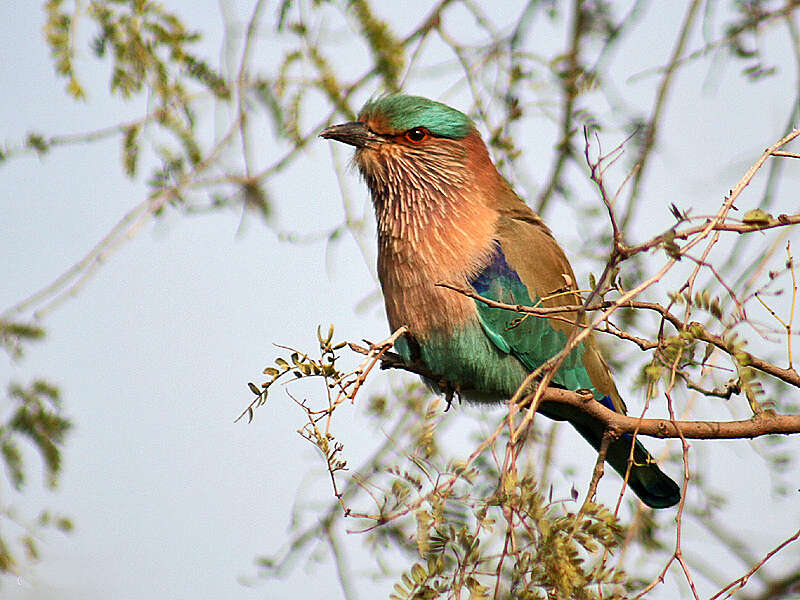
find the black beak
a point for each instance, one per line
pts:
(356, 134)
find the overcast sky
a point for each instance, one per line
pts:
(170, 497)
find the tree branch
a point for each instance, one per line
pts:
(757, 426)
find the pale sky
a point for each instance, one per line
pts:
(170, 497)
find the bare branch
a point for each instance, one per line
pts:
(757, 426)
(742, 581)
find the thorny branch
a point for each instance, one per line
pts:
(742, 581)
(757, 426)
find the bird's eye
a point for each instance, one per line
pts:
(416, 135)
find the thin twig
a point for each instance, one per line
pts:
(742, 581)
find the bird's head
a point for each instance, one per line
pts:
(412, 144)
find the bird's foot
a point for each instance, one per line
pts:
(449, 392)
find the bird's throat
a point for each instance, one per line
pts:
(423, 240)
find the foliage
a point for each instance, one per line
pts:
(478, 526)
(438, 509)
(32, 416)
(150, 51)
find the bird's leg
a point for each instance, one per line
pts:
(450, 391)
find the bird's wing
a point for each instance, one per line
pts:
(529, 268)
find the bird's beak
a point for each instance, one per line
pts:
(356, 134)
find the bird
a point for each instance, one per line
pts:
(445, 214)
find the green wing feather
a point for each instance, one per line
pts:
(531, 339)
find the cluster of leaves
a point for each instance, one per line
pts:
(542, 552)
(299, 365)
(151, 52)
(678, 352)
(14, 334)
(58, 35)
(37, 417)
(149, 48)
(34, 416)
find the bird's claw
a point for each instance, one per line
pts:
(449, 392)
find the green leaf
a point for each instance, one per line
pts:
(757, 217)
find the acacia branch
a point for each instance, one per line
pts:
(739, 583)
(745, 227)
(756, 426)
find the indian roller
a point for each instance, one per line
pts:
(445, 214)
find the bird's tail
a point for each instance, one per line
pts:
(646, 480)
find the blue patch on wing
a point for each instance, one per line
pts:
(533, 340)
(496, 281)
(496, 270)
(606, 401)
